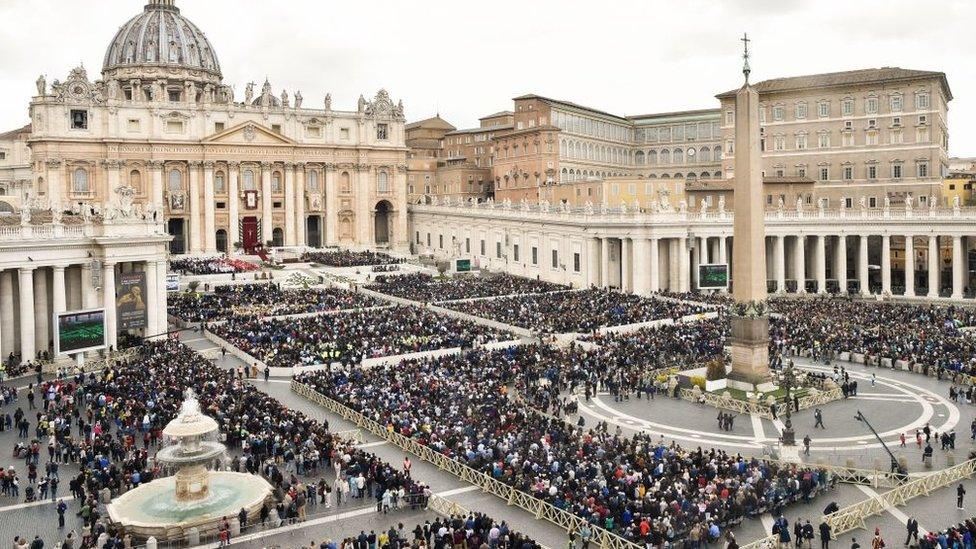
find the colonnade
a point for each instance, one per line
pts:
(31, 296)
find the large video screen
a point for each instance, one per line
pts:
(713, 276)
(79, 331)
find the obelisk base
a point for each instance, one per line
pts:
(750, 354)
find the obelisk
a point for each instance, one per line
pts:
(750, 319)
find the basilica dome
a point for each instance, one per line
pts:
(161, 40)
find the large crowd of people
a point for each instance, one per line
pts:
(210, 265)
(574, 311)
(351, 337)
(424, 287)
(346, 258)
(472, 531)
(98, 432)
(641, 489)
(263, 300)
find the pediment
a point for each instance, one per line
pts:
(249, 133)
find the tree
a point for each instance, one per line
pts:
(442, 267)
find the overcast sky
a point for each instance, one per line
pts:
(466, 59)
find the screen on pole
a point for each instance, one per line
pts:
(462, 265)
(79, 331)
(132, 300)
(713, 276)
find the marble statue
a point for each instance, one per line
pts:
(909, 202)
(328, 101)
(284, 98)
(41, 85)
(25, 215)
(298, 99)
(361, 106)
(249, 93)
(721, 204)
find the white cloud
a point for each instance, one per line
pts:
(468, 59)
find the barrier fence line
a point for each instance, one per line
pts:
(758, 408)
(539, 509)
(853, 516)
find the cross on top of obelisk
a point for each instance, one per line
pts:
(745, 56)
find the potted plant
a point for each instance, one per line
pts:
(715, 378)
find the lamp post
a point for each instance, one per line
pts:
(788, 437)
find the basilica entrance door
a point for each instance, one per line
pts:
(249, 234)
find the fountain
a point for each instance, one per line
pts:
(195, 497)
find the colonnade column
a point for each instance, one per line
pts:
(655, 265)
(289, 204)
(26, 289)
(88, 297)
(162, 321)
(54, 183)
(683, 267)
(910, 265)
(300, 237)
(779, 263)
(196, 245)
(593, 262)
(723, 251)
(8, 337)
(233, 232)
(642, 254)
(331, 206)
(364, 214)
(156, 181)
(820, 263)
(209, 229)
(267, 226)
(840, 262)
(885, 264)
(933, 266)
(800, 264)
(152, 291)
(108, 298)
(604, 262)
(957, 267)
(626, 249)
(41, 319)
(862, 265)
(59, 293)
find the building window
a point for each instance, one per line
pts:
(428, 242)
(779, 143)
(383, 183)
(872, 202)
(896, 103)
(498, 250)
(778, 113)
(79, 181)
(344, 134)
(79, 119)
(871, 138)
(382, 132)
(440, 241)
(218, 127)
(801, 172)
(555, 259)
(276, 182)
(801, 110)
(418, 237)
(872, 172)
(848, 173)
(823, 109)
(219, 186)
(515, 252)
(729, 118)
(896, 171)
(871, 105)
(847, 139)
(824, 173)
(535, 255)
(801, 142)
(249, 180)
(174, 126)
(174, 96)
(132, 125)
(847, 107)
(823, 140)
(314, 131)
(922, 101)
(482, 246)
(923, 169)
(175, 181)
(467, 245)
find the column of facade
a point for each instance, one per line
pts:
(401, 236)
(684, 284)
(289, 204)
(196, 241)
(331, 206)
(108, 301)
(25, 284)
(654, 269)
(626, 247)
(152, 298)
(910, 265)
(54, 190)
(112, 170)
(364, 214)
(779, 262)
(59, 291)
(840, 261)
(156, 182)
(800, 264)
(886, 264)
(8, 335)
(233, 202)
(209, 208)
(593, 262)
(88, 297)
(162, 322)
(642, 252)
(820, 263)
(605, 262)
(958, 266)
(42, 319)
(862, 264)
(300, 222)
(267, 225)
(933, 266)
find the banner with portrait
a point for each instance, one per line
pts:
(131, 301)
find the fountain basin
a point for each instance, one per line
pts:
(152, 509)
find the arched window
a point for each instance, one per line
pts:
(382, 182)
(344, 182)
(717, 150)
(665, 156)
(219, 183)
(249, 184)
(313, 181)
(79, 181)
(276, 182)
(678, 156)
(175, 181)
(704, 175)
(135, 181)
(651, 158)
(678, 176)
(665, 176)
(705, 155)
(639, 158)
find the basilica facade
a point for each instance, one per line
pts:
(222, 172)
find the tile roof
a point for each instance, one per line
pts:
(843, 78)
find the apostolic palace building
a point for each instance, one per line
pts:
(160, 156)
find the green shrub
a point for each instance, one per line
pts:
(699, 381)
(715, 370)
